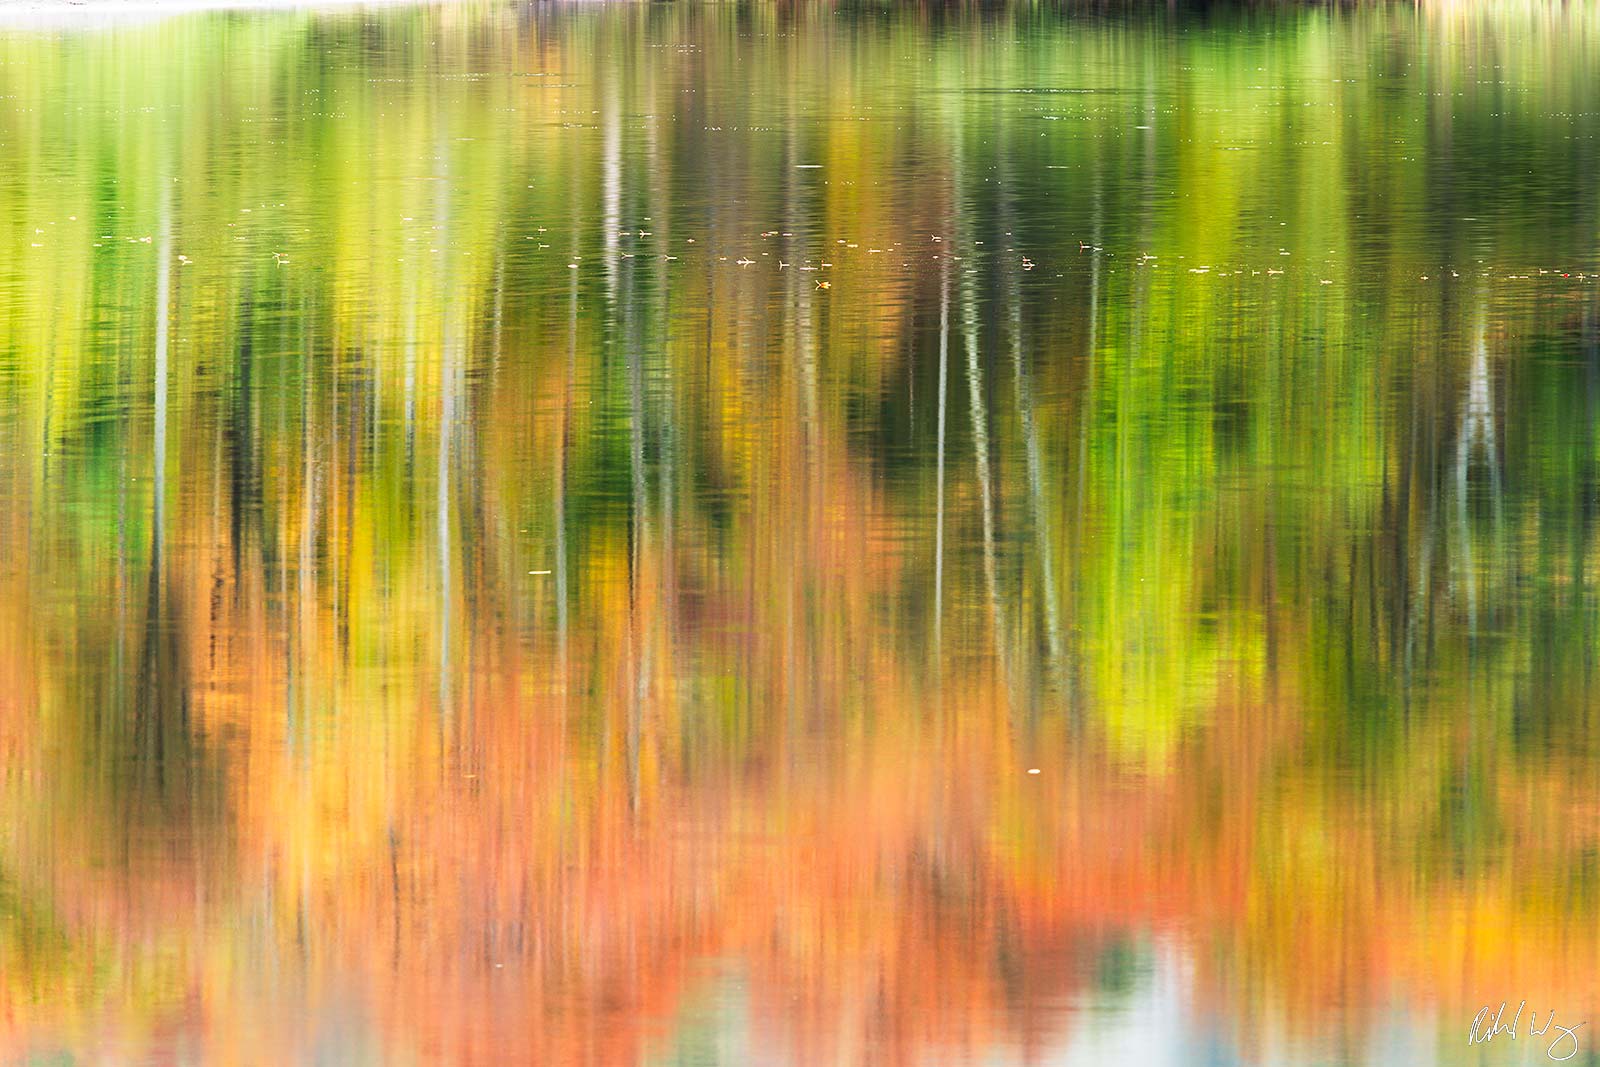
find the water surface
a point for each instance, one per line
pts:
(736, 534)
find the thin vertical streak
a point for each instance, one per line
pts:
(163, 313)
(446, 431)
(638, 502)
(938, 528)
(561, 472)
(635, 579)
(1041, 529)
(980, 441)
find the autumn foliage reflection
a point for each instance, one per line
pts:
(473, 594)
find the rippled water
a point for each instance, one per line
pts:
(737, 534)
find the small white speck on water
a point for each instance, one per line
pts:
(1033, 770)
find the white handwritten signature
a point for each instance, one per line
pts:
(1489, 1024)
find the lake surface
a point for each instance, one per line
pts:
(742, 534)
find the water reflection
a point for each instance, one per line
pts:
(564, 534)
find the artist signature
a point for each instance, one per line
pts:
(1489, 1024)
